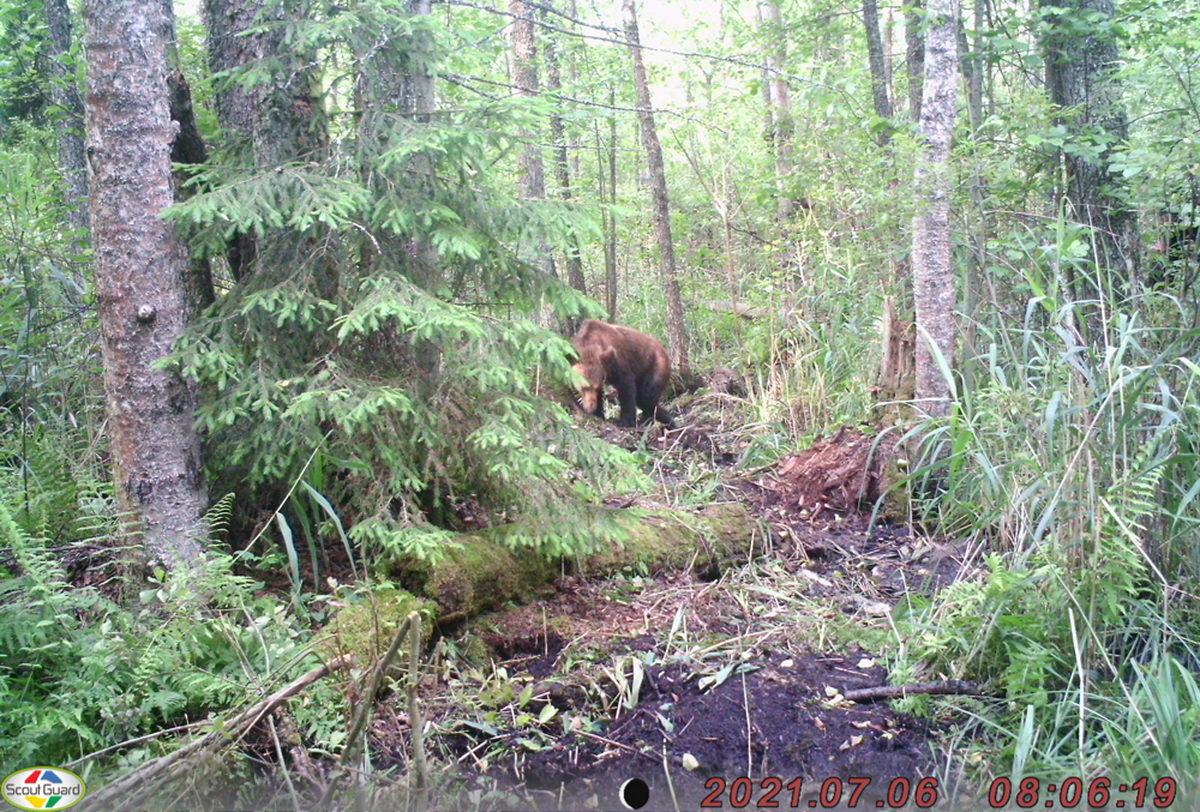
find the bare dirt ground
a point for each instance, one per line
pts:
(688, 684)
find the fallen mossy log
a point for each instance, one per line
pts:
(478, 571)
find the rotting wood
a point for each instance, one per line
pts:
(945, 687)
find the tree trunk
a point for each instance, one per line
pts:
(978, 218)
(933, 275)
(279, 121)
(606, 172)
(562, 166)
(914, 55)
(525, 76)
(289, 123)
(768, 115)
(187, 148)
(230, 48)
(419, 99)
(64, 96)
(725, 211)
(677, 339)
(610, 245)
(879, 80)
(139, 278)
(975, 66)
(775, 54)
(889, 31)
(1081, 58)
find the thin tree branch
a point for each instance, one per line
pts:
(913, 689)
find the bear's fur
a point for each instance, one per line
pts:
(633, 363)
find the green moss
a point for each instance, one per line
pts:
(474, 650)
(897, 500)
(659, 542)
(478, 572)
(365, 629)
(485, 570)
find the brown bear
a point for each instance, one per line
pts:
(633, 363)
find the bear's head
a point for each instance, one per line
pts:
(592, 386)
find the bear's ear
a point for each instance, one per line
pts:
(607, 354)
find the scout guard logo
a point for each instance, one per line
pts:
(43, 788)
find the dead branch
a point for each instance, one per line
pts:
(913, 689)
(220, 736)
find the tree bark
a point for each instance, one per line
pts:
(289, 123)
(914, 55)
(187, 148)
(889, 31)
(975, 65)
(68, 105)
(606, 171)
(1081, 59)
(879, 79)
(140, 268)
(562, 166)
(610, 246)
(768, 115)
(677, 337)
(783, 127)
(525, 76)
(271, 124)
(933, 275)
(419, 98)
(231, 48)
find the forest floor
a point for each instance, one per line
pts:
(688, 684)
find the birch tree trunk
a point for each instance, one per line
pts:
(140, 270)
(768, 116)
(677, 337)
(775, 55)
(933, 275)
(879, 79)
(525, 77)
(64, 96)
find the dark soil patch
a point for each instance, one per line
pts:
(536, 653)
(795, 731)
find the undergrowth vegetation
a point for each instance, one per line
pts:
(1074, 461)
(363, 402)
(86, 671)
